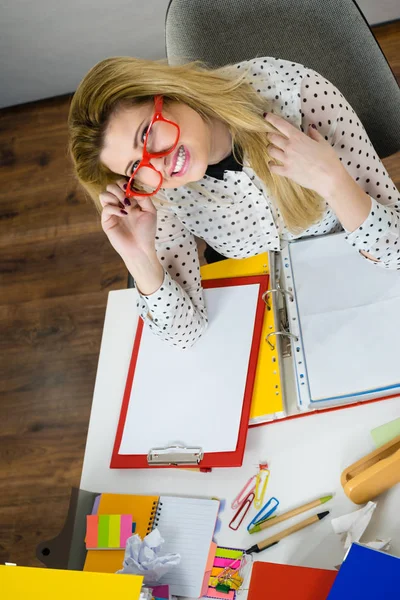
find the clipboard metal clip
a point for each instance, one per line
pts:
(174, 456)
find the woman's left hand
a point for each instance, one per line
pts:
(307, 159)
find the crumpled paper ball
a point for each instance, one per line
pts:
(144, 557)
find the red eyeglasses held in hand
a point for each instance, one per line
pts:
(159, 130)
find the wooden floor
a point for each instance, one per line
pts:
(56, 268)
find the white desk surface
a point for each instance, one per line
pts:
(306, 458)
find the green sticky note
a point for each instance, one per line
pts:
(102, 541)
(385, 433)
(228, 553)
(114, 531)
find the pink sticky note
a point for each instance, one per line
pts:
(226, 562)
(212, 592)
(126, 529)
(92, 530)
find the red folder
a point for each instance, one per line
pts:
(286, 582)
(212, 459)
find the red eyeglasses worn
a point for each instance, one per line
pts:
(160, 129)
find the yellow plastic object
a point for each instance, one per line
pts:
(31, 583)
(267, 395)
(373, 474)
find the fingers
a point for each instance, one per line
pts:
(314, 134)
(115, 196)
(110, 210)
(145, 203)
(108, 198)
(276, 153)
(280, 124)
(278, 140)
(114, 188)
(122, 183)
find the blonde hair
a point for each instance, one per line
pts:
(122, 81)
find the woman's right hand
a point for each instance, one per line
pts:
(130, 229)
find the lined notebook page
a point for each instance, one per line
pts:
(350, 320)
(185, 395)
(187, 526)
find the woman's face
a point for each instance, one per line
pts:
(123, 145)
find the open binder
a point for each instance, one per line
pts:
(191, 408)
(341, 322)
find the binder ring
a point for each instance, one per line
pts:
(283, 333)
(274, 291)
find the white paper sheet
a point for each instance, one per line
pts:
(350, 319)
(194, 397)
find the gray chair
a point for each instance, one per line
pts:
(330, 36)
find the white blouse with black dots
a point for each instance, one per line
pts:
(237, 215)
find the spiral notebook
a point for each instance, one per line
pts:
(186, 524)
(344, 319)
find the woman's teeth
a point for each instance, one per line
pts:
(181, 160)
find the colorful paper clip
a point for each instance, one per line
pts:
(263, 474)
(241, 512)
(247, 489)
(265, 512)
(231, 575)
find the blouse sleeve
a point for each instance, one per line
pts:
(176, 311)
(324, 105)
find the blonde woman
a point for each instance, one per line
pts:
(245, 157)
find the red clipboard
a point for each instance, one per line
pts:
(211, 459)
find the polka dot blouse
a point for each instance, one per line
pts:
(236, 215)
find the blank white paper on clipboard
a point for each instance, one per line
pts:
(194, 396)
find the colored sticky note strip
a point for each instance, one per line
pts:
(104, 521)
(227, 562)
(216, 571)
(228, 553)
(385, 433)
(126, 529)
(212, 593)
(91, 531)
(114, 526)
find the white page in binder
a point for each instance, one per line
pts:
(194, 397)
(349, 314)
(187, 526)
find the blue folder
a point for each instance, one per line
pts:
(367, 574)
